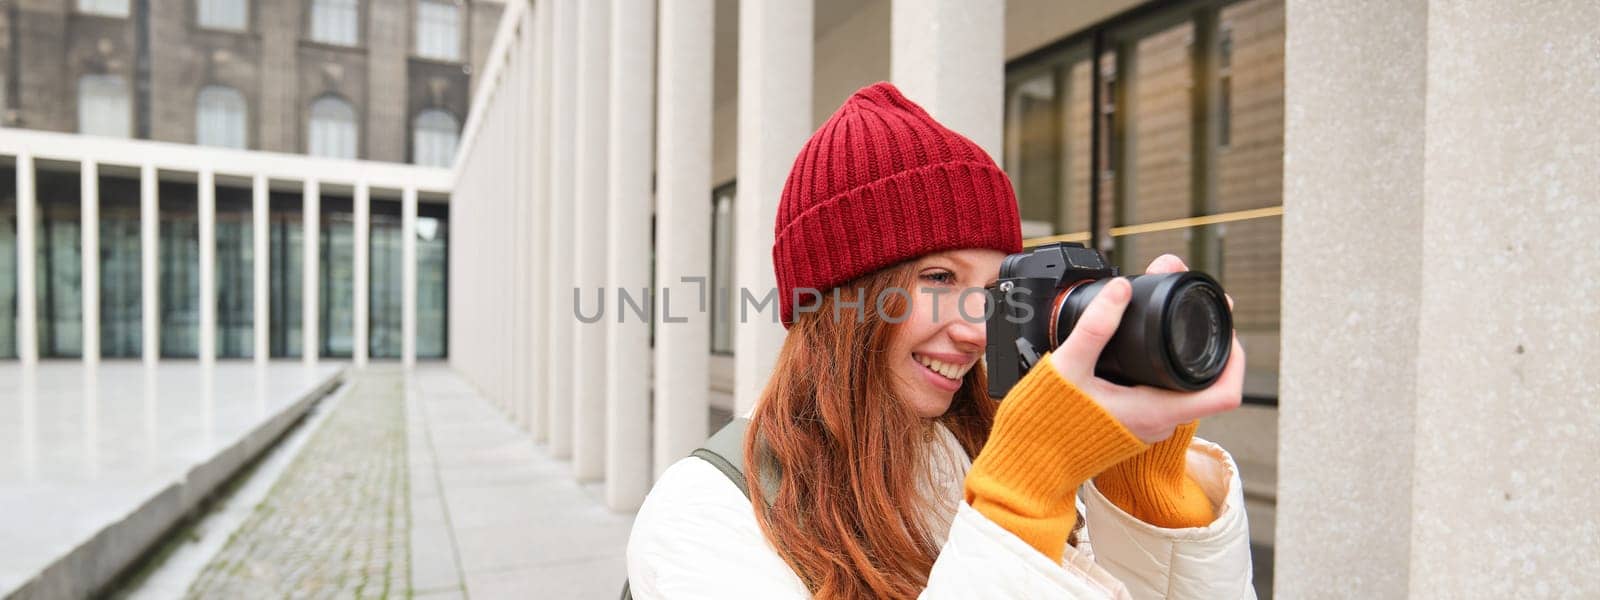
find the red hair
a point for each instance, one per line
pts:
(847, 513)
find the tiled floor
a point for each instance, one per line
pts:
(493, 516)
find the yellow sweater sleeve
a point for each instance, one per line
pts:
(1155, 487)
(1048, 439)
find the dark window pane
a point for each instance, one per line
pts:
(286, 235)
(180, 270)
(8, 259)
(336, 294)
(121, 269)
(59, 263)
(433, 279)
(235, 275)
(384, 281)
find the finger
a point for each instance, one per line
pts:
(1077, 356)
(1166, 263)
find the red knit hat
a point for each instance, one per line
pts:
(881, 183)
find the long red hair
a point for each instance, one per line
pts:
(847, 512)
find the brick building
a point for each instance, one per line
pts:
(386, 80)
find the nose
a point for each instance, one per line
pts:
(969, 330)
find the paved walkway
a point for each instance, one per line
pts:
(416, 486)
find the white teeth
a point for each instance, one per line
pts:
(948, 370)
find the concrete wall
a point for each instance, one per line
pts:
(1441, 350)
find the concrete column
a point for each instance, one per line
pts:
(358, 337)
(208, 265)
(949, 56)
(539, 225)
(260, 238)
(629, 179)
(89, 253)
(150, 261)
(27, 290)
(775, 48)
(518, 67)
(311, 215)
(1440, 349)
(588, 248)
(683, 173)
(408, 277)
(563, 130)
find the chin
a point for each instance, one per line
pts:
(932, 406)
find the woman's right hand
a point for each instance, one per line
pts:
(1150, 413)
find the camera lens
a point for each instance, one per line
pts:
(1176, 332)
(1194, 324)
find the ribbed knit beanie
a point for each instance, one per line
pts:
(881, 183)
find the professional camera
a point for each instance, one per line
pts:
(1176, 333)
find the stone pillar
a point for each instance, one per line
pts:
(589, 243)
(949, 56)
(150, 262)
(628, 209)
(311, 213)
(539, 225)
(260, 264)
(27, 290)
(358, 335)
(775, 48)
(89, 246)
(563, 131)
(208, 266)
(1441, 352)
(408, 277)
(683, 174)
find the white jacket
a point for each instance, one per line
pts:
(696, 536)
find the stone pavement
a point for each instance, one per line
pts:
(415, 486)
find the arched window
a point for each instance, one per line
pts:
(224, 14)
(439, 29)
(332, 130)
(433, 138)
(103, 107)
(222, 118)
(114, 8)
(334, 21)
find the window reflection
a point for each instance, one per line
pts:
(8, 260)
(235, 276)
(384, 280)
(59, 266)
(180, 270)
(121, 269)
(433, 279)
(336, 289)
(285, 238)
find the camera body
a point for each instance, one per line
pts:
(1175, 333)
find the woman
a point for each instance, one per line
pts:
(893, 475)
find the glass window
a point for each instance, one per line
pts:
(1032, 158)
(103, 106)
(121, 282)
(434, 138)
(58, 264)
(335, 21)
(286, 235)
(724, 294)
(222, 117)
(114, 8)
(8, 259)
(384, 280)
(235, 272)
(332, 129)
(336, 292)
(179, 249)
(224, 14)
(433, 279)
(439, 29)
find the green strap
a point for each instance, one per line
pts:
(725, 451)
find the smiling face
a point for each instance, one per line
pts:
(943, 334)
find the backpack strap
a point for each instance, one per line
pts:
(725, 451)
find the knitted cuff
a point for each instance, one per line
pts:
(1048, 438)
(1154, 486)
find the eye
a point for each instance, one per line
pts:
(941, 277)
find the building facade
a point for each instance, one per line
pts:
(386, 80)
